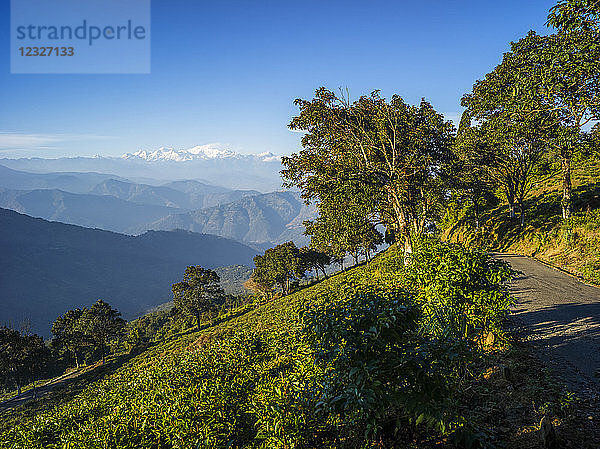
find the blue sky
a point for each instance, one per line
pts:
(228, 72)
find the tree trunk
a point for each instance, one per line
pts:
(511, 208)
(76, 358)
(567, 187)
(198, 321)
(402, 222)
(522, 212)
(476, 210)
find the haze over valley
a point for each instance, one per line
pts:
(178, 222)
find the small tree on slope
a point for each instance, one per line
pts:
(198, 293)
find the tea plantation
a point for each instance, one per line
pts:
(381, 355)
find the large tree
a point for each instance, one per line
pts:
(471, 181)
(551, 81)
(198, 293)
(343, 228)
(501, 152)
(313, 259)
(22, 357)
(387, 151)
(68, 332)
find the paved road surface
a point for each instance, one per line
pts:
(560, 315)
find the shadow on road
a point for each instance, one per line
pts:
(565, 334)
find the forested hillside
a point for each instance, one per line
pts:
(48, 267)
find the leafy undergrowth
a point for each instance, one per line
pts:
(377, 356)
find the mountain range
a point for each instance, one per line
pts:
(132, 208)
(260, 220)
(79, 182)
(201, 152)
(92, 211)
(212, 163)
(47, 267)
(187, 194)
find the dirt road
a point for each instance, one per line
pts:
(560, 316)
(40, 391)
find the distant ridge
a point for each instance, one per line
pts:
(47, 268)
(214, 163)
(92, 211)
(260, 220)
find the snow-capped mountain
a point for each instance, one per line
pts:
(200, 152)
(212, 163)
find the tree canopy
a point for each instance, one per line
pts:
(278, 267)
(385, 156)
(198, 293)
(545, 91)
(569, 15)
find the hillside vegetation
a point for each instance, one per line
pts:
(378, 355)
(573, 245)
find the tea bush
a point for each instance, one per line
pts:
(461, 290)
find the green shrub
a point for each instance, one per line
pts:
(383, 375)
(461, 290)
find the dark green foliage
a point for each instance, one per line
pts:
(69, 334)
(315, 260)
(569, 15)
(462, 291)
(103, 325)
(342, 228)
(383, 376)
(23, 358)
(545, 91)
(199, 292)
(80, 332)
(378, 159)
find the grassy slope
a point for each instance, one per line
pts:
(544, 235)
(128, 394)
(158, 398)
